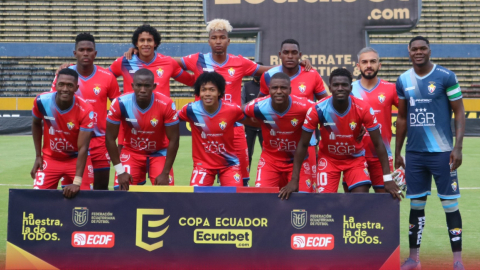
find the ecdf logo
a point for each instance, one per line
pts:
(93, 239)
(312, 241)
(299, 218)
(141, 212)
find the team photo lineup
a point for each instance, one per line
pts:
(313, 140)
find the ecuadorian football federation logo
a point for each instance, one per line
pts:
(381, 97)
(223, 125)
(299, 218)
(431, 87)
(352, 125)
(294, 122)
(237, 177)
(302, 87)
(231, 71)
(154, 122)
(70, 125)
(160, 72)
(80, 216)
(97, 90)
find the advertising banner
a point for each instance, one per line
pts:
(209, 228)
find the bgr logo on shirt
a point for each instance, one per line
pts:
(421, 118)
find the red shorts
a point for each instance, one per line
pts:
(55, 170)
(229, 177)
(354, 170)
(138, 166)
(99, 154)
(312, 160)
(241, 150)
(376, 172)
(271, 174)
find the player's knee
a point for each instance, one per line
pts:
(417, 204)
(450, 206)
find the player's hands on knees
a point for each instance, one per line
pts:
(37, 165)
(392, 188)
(162, 180)
(399, 162)
(362, 133)
(71, 191)
(455, 158)
(131, 51)
(285, 192)
(124, 180)
(64, 65)
(306, 64)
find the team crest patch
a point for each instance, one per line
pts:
(411, 226)
(70, 125)
(154, 122)
(294, 122)
(381, 97)
(366, 172)
(223, 125)
(309, 183)
(231, 71)
(160, 72)
(299, 218)
(97, 90)
(302, 87)
(352, 125)
(170, 179)
(454, 185)
(431, 87)
(456, 231)
(237, 177)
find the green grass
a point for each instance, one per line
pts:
(17, 156)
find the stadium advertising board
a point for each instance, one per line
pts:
(330, 32)
(201, 230)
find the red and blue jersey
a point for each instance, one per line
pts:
(95, 90)
(144, 129)
(340, 130)
(306, 84)
(233, 70)
(381, 98)
(212, 134)
(281, 131)
(61, 127)
(163, 68)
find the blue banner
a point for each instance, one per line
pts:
(209, 228)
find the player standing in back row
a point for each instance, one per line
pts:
(428, 94)
(381, 96)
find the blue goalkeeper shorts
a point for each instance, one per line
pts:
(420, 167)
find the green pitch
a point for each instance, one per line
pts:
(17, 156)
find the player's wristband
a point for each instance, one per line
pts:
(387, 178)
(77, 180)
(119, 168)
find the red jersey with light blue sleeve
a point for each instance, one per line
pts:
(163, 68)
(144, 129)
(62, 127)
(340, 130)
(212, 134)
(381, 98)
(233, 70)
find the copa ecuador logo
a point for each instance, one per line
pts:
(142, 214)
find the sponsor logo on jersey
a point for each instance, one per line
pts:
(294, 122)
(51, 131)
(223, 125)
(49, 118)
(236, 177)
(70, 125)
(204, 136)
(146, 214)
(302, 87)
(299, 218)
(412, 101)
(268, 122)
(312, 241)
(154, 122)
(410, 88)
(454, 239)
(309, 110)
(322, 164)
(456, 231)
(175, 116)
(160, 72)
(431, 87)
(124, 157)
(93, 239)
(80, 216)
(97, 90)
(44, 166)
(329, 124)
(381, 97)
(371, 111)
(90, 125)
(173, 106)
(332, 136)
(131, 120)
(231, 71)
(199, 124)
(454, 185)
(352, 125)
(261, 163)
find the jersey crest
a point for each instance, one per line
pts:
(160, 72)
(154, 122)
(223, 125)
(381, 97)
(294, 122)
(231, 71)
(353, 125)
(97, 90)
(302, 87)
(70, 125)
(431, 87)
